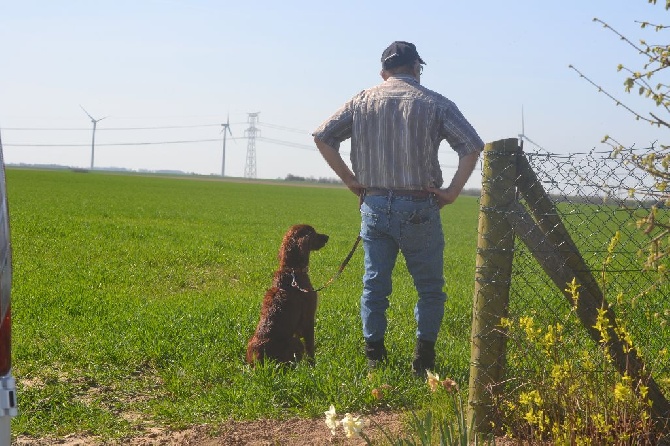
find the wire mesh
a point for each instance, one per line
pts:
(594, 210)
(592, 195)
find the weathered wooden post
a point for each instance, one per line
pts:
(495, 252)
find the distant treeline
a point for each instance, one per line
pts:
(291, 177)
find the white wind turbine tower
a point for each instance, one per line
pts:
(95, 124)
(522, 134)
(226, 129)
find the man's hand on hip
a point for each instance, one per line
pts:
(354, 186)
(466, 164)
(444, 196)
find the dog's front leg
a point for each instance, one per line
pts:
(309, 342)
(308, 330)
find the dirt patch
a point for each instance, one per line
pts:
(293, 432)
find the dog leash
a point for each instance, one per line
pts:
(343, 265)
(361, 197)
(294, 283)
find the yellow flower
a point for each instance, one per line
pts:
(433, 380)
(377, 393)
(573, 290)
(528, 324)
(603, 325)
(352, 425)
(600, 423)
(530, 398)
(621, 392)
(644, 390)
(331, 419)
(506, 323)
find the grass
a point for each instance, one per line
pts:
(644, 316)
(134, 296)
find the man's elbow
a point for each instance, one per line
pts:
(320, 144)
(323, 146)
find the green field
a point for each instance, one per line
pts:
(134, 296)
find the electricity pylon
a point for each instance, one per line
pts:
(250, 133)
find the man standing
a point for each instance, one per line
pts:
(396, 128)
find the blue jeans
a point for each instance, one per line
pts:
(392, 224)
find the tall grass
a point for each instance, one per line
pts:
(134, 297)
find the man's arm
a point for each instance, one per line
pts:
(335, 161)
(466, 165)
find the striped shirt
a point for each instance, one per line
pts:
(396, 128)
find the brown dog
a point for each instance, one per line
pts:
(289, 307)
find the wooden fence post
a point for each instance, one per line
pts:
(495, 252)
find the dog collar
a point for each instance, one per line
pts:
(296, 270)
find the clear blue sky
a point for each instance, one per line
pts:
(172, 63)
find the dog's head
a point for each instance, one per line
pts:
(298, 241)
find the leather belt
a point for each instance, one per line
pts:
(375, 191)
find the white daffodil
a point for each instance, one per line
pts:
(331, 419)
(433, 380)
(352, 425)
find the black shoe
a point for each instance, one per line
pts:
(424, 357)
(376, 353)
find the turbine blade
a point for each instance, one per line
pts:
(228, 125)
(87, 113)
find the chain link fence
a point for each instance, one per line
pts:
(546, 220)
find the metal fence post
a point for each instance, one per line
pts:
(495, 252)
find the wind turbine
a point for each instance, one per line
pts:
(226, 129)
(95, 124)
(522, 135)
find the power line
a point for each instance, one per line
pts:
(191, 141)
(111, 128)
(286, 143)
(57, 129)
(113, 144)
(281, 127)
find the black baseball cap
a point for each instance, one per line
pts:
(400, 53)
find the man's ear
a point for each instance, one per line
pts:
(384, 74)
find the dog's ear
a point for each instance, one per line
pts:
(286, 245)
(304, 240)
(296, 244)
